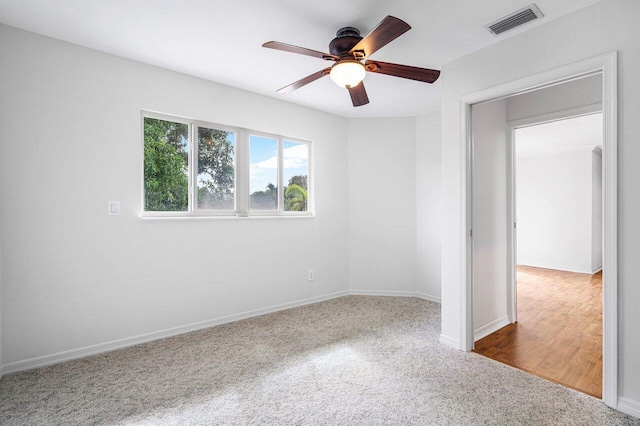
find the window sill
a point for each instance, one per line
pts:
(224, 217)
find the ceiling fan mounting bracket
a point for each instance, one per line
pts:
(348, 32)
(346, 38)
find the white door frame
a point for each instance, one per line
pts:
(512, 239)
(607, 65)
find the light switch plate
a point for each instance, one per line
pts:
(113, 208)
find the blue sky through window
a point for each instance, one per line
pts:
(263, 158)
(264, 161)
(296, 160)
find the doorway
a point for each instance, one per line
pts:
(557, 171)
(606, 66)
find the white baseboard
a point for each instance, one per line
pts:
(449, 341)
(596, 270)
(417, 294)
(390, 293)
(428, 297)
(86, 351)
(72, 354)
(629, 406)
(492, 327)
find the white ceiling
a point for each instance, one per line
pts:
(221, 40)
(578, 132)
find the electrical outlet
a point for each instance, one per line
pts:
(312, 275)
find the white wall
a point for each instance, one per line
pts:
(554, 209)
(561, 97)
(76, 281)
(382, 205)
(489, 217)
(605, 26)
(394, 206)
(428, 204)
(71, 140)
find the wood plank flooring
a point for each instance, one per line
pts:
(558, 335)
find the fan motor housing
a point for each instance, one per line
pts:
(346, 38)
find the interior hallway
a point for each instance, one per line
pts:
(558, 335)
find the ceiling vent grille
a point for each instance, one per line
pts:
(520, 17)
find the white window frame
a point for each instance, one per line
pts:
(241, 172)
(174, 119)
(193, 190)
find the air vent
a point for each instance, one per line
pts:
(520, 17)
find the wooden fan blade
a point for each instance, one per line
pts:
(300, 50)
(358, 95)
(404, 71)
(304, 81)
(389, 29)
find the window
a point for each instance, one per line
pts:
(263, 166)
(296, 172)
(215, 167)
(193, 168)
(166, 175)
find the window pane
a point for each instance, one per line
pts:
(166, 155)
(296, 171)
(263, 185)
(216, 171)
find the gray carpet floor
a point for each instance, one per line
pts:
(353, 360)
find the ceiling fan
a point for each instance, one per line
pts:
(350, 51)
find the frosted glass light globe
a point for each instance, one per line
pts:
(347, 73)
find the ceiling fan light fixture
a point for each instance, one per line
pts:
(350, 52)
(347, 73)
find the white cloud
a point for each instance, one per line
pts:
(295, 157)
(264, 172)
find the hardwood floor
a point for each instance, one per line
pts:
(558, 335)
